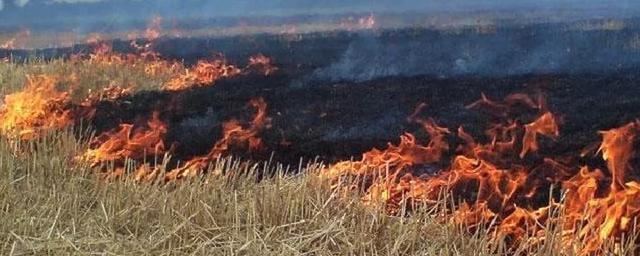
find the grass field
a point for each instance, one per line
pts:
(50, 207)
(52, 204)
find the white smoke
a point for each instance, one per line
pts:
(1, 5)
(21, 3)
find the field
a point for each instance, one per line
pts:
(294, 146)
(56, 207)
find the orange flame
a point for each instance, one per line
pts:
(128, 142)
(233, 134)
(262, 63)
(36, 110)
(545, 125)
(495, 188)
(611, 215)
(204, 73)
(17, 41)
(617, 149)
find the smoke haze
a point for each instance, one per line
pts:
(571, 46)
(81, 12)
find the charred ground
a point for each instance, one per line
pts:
(588, 76)
(336, 117)
(339, 120)
(337, 95)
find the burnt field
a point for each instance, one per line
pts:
(340, 120)
(518, 138)
(338, 94)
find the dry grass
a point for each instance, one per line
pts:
(80, 75)
(53, 205)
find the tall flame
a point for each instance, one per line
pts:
(545, 125)
(493, 187)
(38, 109)
(617, 149)
(128, 142)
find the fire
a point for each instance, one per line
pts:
(146, 142)
(204, 73)
(545, 125)
(180, 77)
(154, 29)
(496, 186)
(389, 170)
(38, 109)
(19, 40)
(263, 63)
(359, 23)
(613, 213)
(146, 56)
(41, 107)
(9, 44)
(501, 109)
(500, 181)
(151, 34)
(367, 23)
(617, 149)
(102, 52)
(128, 142)
(233, 134)
(109, 93)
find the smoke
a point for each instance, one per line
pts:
(21, 3)
(87, 16)
(532, 50)
(582, 46)
(205, 8)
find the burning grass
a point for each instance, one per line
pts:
(122, 192)
(496, 189)
(57, 208)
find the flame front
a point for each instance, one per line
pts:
(128, 142)
(501, 181)
(233, 134)
(204, 73)
(496, 185)
(38, 109)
